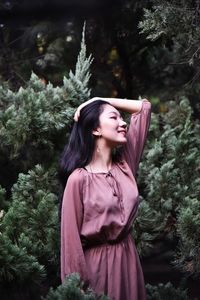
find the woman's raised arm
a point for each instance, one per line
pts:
(130, 106)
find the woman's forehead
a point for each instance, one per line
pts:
(110, 109)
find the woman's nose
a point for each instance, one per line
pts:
(123, 124)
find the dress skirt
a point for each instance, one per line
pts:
(116, 271)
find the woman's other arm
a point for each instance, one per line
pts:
(72, 255)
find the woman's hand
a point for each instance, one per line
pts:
(77, 113)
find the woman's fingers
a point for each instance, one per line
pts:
(77, 113)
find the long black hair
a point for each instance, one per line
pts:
(79, 150)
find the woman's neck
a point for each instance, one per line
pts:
(101, 161)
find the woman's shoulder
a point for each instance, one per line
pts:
(77, 176)
(123, 166)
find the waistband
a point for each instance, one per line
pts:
(87, 244)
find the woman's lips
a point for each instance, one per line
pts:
(122, 131)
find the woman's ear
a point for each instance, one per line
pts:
(96, 132)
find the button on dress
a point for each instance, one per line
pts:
(98, 211)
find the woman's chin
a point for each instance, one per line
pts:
(122, 141)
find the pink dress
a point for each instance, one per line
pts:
(97, 216)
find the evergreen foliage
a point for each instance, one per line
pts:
(3, 202)
(177, 24)
(165, 292)
(188, 256)
(169, 184)
(77, 84)
(33, 117)
(32, 218)
(72, 289)
(17, 264)
(33, 125)
(172, 19)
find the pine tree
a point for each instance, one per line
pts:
(72, 289)
(175, 27)
(169, 178)
(165, 292)
(33, 124)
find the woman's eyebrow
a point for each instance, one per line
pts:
(114, 112)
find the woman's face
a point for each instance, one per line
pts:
(112, 128)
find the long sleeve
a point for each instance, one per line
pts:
(72, 256)
(137, 135)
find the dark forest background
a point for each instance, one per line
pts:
(44, 36)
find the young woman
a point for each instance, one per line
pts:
(100, 200)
